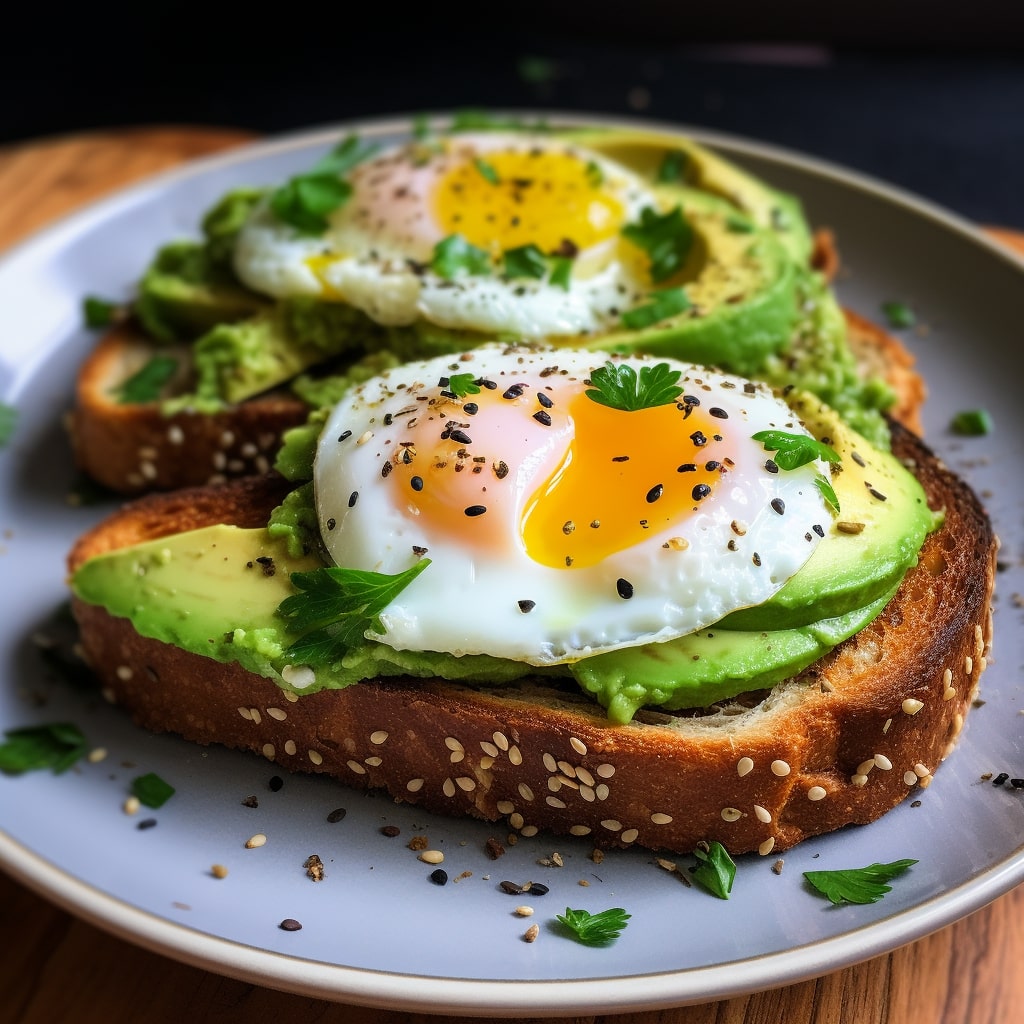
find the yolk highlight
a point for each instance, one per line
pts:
(504, 200)
(625, 476)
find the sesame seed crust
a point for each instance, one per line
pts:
(615, 783)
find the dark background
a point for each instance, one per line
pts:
(925, 97)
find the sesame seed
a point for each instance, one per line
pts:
(256, 841)
(356, 767)
(687, 467)
(525, 792)
(471, 408)
(431, 857)
(910, 778)
(580, 830)
(949, 693)
(779, 506)
(659, 818)
(124, 673)
(500, 740)
(865, 766)
(859, 780)
(762, 813)
(817, 793)
(131, 805)
(911, 706)
(269, 751)
(744, 766)
(465, 783)
(277, 714)
(374, 762)
(584, 776)
(453, 744)
(549, 762)
(553, 801)
(578, 745)
(677, 543)
(611, 824)
(731, 814)
(780, 768)
(513, 391)
(516, 820)
(881, 761)
(630, 835)
(448, 788)
(968, 664)
(531, 933)
(315, 756)
(605, 771)
(414, 785)
(515, 756)
(588, 793)
(767, 846)
(98, 754)
(219, 871)
(544, 400)
(363, 437)
(505, 806)
(255, 715)
(175, 434)
(290, 748)
(920, 770)
(378, 737)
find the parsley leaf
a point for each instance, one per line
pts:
(454, 256)
(672, 168)
(595, 174)
(561, 272)
(151, 790)
(899, 314)
(794, 450)
(100, 312)
(664, 303)
(8, 421)
(857, 885)
(305, 200)
(827, 491)
(487, 171)
(715, 869)
(462, 384)
(525, 261)
(618, 386)
(971, 423)
(57, 747)
(666, 239)
(147, 382)
(337, 606)
(594, 929)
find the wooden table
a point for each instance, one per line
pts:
(54, 967)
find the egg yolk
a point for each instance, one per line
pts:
(624, 475)
(553, 199)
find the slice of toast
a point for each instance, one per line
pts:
(841, 743)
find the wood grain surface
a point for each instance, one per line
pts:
(56, 968)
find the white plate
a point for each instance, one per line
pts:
(375, 930)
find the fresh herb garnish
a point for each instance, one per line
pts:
(525, 261)
(147, 382)
(899, 314)
(8, 421)
(673, 164)
(57, 747)
(664, 303)
(971, 423)
(474, 120)
(827, 491)
(454, 256)
(151, 790)
(462, 384)
(595, 174)
(99, 312)
(794, 450)
(857, 885)
(715, 869)
(618, 386)
(487, 171)
(336, 607)
(561, 272)
(594, 929)
(738, 225)
(666, 239)
(305, 200)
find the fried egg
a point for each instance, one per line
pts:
(557, 527)
(495, 192)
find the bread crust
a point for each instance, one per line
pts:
(841, 743)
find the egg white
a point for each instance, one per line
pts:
(684, 576)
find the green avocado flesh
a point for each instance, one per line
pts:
(755, 306)
(216, 591)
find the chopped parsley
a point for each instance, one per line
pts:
(828, 492)
(147, 382)
(525, 261)
(899, 314)
(666, 238)
(971, 423)
(715, 869)
(857, 885)
(454, 256)
(487, 171)
(794, 450)
(664, 303)
(8, 421)
(57, 747)
(618, 386)
(561, 272)
(462, 384)
(305, 200)
(151, 790)
(673, 167)
(594, 929)
(100, 312)
(336, 607)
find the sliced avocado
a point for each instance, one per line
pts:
(645, 151)
(868, 546)
(714, 664)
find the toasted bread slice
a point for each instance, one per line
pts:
(841, 743)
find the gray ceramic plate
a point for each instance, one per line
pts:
(375, 931)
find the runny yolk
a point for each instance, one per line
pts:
(625, 476)
(505, 199)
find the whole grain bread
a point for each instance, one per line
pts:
(841, 743)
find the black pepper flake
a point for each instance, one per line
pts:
(624, 588)
(527, 606)
(620, 458)
(818, 530)
(778, 505)
(483, 382)
(388, 419)
(568, 561)
(266, 563)
(416, 483)
(406, 457)
(536, 889)
(352, 499)
(544, 400)
(688, 404)
(1017, 783)
(756, 559)
(345, 435)
(698, 438)
(336, 815)
(475, 510)
(471, 408)
(417, 550)
(289, 924)
(543, 418)
(711, 465)
(385, 470)
(146, 823)
(332, 522)
(250, 801)
(687, 467)
(877, 494)
(501, 470)
(460, 437)
(719, 414)
(1000, 778)
(770, 466)
(276, 783)
(439, 876)
(514, 391)
(655, 493)
(700, 491)
(858, 458)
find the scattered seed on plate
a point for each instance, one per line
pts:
(493, 848)
(523, 911)
(419, 843)
(531, 933)
(250, 801)
(275, 783)
(336, 815)
(432, 857)
(255, 841)
(289, 924)
(146, 823)
(390, 831)
(219, 871)
(439, 876)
